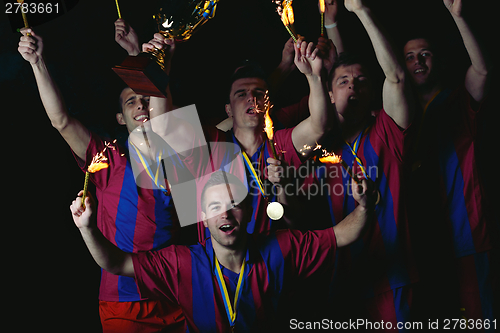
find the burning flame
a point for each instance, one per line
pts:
(98, 163)
(99, 160)
(268, 126)
(288, 12)
(322, 6)
(330, 158)
(284, 16)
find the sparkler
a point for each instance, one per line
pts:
(98, 163)
(118, 9)
(322, 10)
(25, 19)
(268, 122)
(330, 158)
(287, 17)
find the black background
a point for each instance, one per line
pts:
(52, 280)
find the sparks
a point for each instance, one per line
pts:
(99, 160)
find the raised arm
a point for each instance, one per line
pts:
(352, 226)
(105, 253)
(396, 93)
(177, 132)
(75, 134)
(311, 130)
(476, 79)
(126, 37)
(331, 25)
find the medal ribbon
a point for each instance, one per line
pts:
(354, 150)
(252, 171)
(231, 311)
(149, 171)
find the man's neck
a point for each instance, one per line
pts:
(230, 258)
(250, 139)
(426, 93)
(351, 130)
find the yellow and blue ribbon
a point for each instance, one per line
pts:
(252, 171)
(154, 176)
(231, 310)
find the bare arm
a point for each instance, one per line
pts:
(476, 79)
(396, 93)
(75, 134)
(331, 10)
(178, 133)
(105, 253)
(285, 67)
(311, 130)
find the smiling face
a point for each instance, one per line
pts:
(135, 109)
(246, 94)
(351, 92)
(225, 219)
(420, 61)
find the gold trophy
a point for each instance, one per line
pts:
(176, 19)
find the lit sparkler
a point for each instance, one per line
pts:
(322, 10)
(285, 11)
(98, 163)
(268, 122)
(329, 158)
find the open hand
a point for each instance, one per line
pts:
(306, 58)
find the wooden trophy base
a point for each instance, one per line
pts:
(143, 75)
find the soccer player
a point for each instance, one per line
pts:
(231, 282)
(446, 177)
(247, 99)
(135, 219)
(380, 265)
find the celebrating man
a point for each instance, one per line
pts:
(230, 281)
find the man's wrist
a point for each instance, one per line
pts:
(134, 52)
(286, 66)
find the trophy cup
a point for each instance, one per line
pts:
(177, 19)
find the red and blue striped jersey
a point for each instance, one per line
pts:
(186, 275)
(133, 218)
(223, 152)
(381, 260)
(448, 151)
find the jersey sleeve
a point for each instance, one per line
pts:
(157, 273)
(308, 253)
(395, 138)
(285, 147)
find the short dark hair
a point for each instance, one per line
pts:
(346, 59)
(247, 69)
(221, 177)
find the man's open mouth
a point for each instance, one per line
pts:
(142, 117)
(227, 228)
